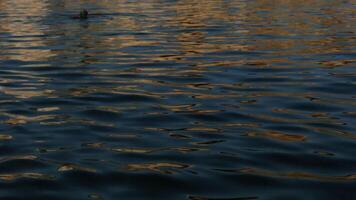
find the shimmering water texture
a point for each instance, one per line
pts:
(194, 100)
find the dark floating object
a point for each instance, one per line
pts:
(82, 15)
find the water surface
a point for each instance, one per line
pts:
(196, 100)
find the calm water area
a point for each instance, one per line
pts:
(178, 100)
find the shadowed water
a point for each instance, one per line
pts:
(196, 100)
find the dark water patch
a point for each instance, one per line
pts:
(47, 68)
(117, 98)
(310, 106)
(21, 164)
(337, 88)
(212, 198)
(101, 115)
(204, 117)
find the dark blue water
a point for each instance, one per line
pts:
(196, 100)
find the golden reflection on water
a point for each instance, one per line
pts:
(286, 19)
(188, 14)
(70, 167)
(166, 168)
(26, 157)
(297, 175)
(24, 21)
(28, 175)
(279, 136)
(21, 119)
(5, 137)
(298, 22)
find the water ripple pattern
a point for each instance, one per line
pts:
(195, 100)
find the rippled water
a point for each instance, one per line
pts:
(199, 100)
